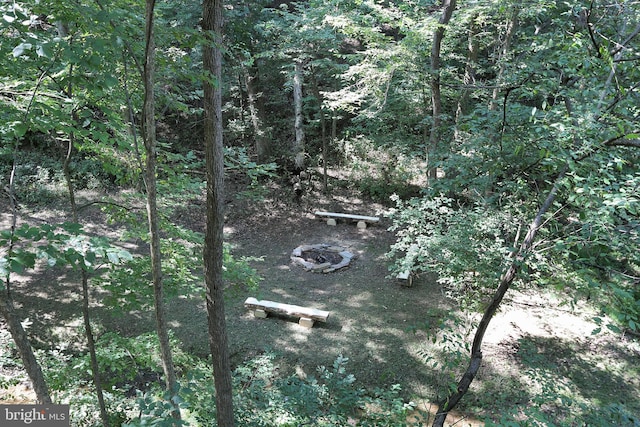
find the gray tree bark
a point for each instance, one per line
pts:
(260, 132)
(436, 98)
(149, 133)
(298, 145)
(512, 25)
(19, 335)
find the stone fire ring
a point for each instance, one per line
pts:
(298, 257)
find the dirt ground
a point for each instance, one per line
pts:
(378, 324)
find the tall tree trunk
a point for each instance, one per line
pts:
(7, 309)
(86, 315)
(469, 71)
(149, 132)
(323, 128)
(298, 145)
(213, 245)
(436, 99)
(19, 335)
(512, 25)
(452, 400)
(260, 132)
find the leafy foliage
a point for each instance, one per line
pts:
(56, 244)
(466, 248)
(331, 399)
(561, 93)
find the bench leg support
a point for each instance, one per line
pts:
(406, 278)
(331, 221)
(362, 225)
(261, 314)
(306, 322)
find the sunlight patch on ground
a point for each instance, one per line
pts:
(528, 315)
(425, 412)
(359, 300)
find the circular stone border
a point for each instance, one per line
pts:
(327, 267)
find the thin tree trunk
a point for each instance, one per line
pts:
(91, 345)
(7, 309)
(261, 135)
(298, 146)
(323, 128)
(149, 131)
(469, 71)
(31, 365)
(452, 400)
(506, 280)
(213, 245)
(86, 316)
(436, 99)
(512, 25)
(18, 334)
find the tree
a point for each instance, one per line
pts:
(562, 120)
(298, 145)
(436, 99)
(86, 314)
(453, 398)
(149, 133)
(7, 309)
(31, 364)
(212, 25)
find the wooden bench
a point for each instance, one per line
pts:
(362, 219)
(406, 275)
(308, 316)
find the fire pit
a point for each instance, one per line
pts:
(321, 258)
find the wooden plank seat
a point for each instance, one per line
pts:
(308, 316)
(406, 275)
(362, 220)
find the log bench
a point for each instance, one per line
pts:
(362, 219)
(406, 276)
(308, 316)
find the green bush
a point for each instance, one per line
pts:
(466, 248)
(262, 398)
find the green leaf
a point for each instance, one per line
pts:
(22, 260)
(72, 227)
(613, 328)
(44, 50)
(20, 129)
(113, 257)
(20, 49)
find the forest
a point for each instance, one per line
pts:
(160, 161)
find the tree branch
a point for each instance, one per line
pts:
(507, 279)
